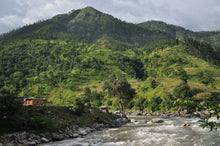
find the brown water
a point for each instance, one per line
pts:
(169, 133)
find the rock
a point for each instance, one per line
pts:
(186, 125)
(114, 123)
(88, 129)
(42, 135)
(75, 135)
(36, 137)
(133, 120)
(96, 126)
(139, 114)
(75, 128)
(10, 144)
(123, 121)
(157, 121)
(117, 112)
(12, 137)
(82, 131)
(65, 136)
(57, 137)
(44, 140)
(143, 121)
(31, 143)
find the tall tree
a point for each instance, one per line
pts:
(118, 86)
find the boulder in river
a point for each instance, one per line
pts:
(157, 120)
(143, 121)
(186, 125)
(133, 120)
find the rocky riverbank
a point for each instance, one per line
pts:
(181, 113)
(24, 138)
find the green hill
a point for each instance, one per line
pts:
(87, 24)
(179, 32)
(59, 57)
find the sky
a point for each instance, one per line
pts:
(196, 15)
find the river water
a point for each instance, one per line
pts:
(169, 133)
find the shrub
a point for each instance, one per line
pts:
(77, 106)
(154, 104)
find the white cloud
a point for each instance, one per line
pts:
(9, 22)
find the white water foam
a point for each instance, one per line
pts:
(169, 133)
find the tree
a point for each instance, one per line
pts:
(8, 103)
(182, 91)
(87, 94)
(213, 112)
(154, 104)
(120, 88)
(183, 95)
(153, 84)
(77, 105)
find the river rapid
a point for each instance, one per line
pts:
(169, 133)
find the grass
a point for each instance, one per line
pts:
(169, 83)
(39, 119)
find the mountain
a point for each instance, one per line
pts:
(173, 30)
(180, 32)
(90, 25)
(59, 57)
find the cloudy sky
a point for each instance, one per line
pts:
(197, 15)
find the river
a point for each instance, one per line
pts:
(169, 133)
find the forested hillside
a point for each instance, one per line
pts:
(60, 57)
(87, 24)
(177, 32)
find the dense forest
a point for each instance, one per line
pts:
(71, 55)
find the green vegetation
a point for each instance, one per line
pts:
(69, 57)
(8, 104)
(52, 118)
(120, 88)
(177, 32)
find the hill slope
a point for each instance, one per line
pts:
(180, 32)
(59, 57)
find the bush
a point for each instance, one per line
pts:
(140, 103)
(154, 84)
(182, 91)
(77, 106)
(39, 122)
(154, 104)
(167, 103)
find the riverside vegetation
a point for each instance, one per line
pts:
(68, 58)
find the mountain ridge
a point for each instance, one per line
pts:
(90, 25)
(178, 32)
(99, 24)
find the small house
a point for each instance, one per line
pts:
(35, 101)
